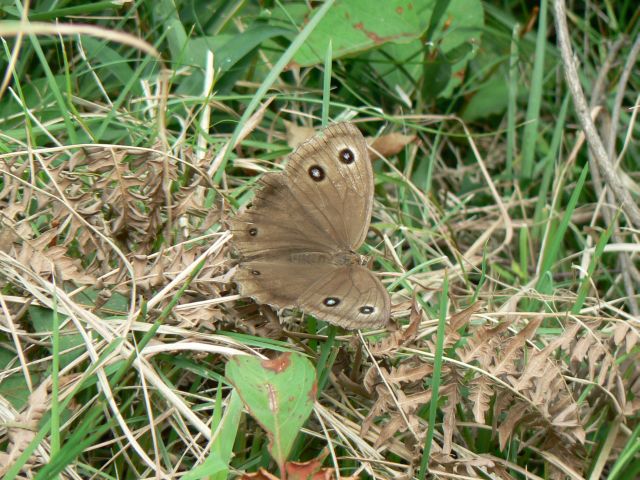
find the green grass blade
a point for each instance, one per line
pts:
(553, 247)
(535, 97)
(435, 382)
(326, 85)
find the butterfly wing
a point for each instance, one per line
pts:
(346, 295)
(322, 201)
(278, 223)
(304, 223)
(350, 296)
(332, 175)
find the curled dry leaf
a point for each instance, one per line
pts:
(131, 184)
(544, 403)
(389, 145)
(310, 470)
(407, 385)
(42, 256)
(624, 332)
(407, 379)
(466, 467)
(261, 474)
(388, 346)
(398, 424)
(452, 393)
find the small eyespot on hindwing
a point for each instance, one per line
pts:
(316, 173)
(331, 301)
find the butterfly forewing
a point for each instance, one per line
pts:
(278, 223)
(343, 197)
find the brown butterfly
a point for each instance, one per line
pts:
(297, 242)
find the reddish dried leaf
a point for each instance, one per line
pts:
(505, 431)
(481, 392)
(261, 474)
(310, 470)
(25, 427)
(406, 373)
(514, 349)
(390, 144)
(456, 322)
(449, 420)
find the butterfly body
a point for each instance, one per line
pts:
(297, 243)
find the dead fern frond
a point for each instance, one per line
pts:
(24, 429)
(42, 255)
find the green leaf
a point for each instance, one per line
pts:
(353, 27)
(42, 321)
(232, 56)
(491, 98)
(109, 61)
(556, 241)
(278, 393)
(216, 466)
(438, 65)
(456, 40)
(14, 388)
(530, 135)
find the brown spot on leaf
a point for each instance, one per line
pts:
(399, 10)
(313, 393)
(377, 38)
(278, 364)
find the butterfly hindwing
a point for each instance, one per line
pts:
(350, 296)
(346, 295)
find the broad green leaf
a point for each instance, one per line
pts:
(109, 61)
(232, 56)
(14, 388)
(491, 98)
(42, 321)
(353, 26)
(454, 43)
(394, 31)
(278, 393)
